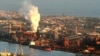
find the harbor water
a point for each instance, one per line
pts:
(11, 47)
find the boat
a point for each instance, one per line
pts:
(32, 44)
(47, 49)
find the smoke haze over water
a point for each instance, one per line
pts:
(31, 13)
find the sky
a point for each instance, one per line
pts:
(57, 7)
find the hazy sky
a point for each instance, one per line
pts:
(58, 7)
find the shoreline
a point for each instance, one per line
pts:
(76, 51)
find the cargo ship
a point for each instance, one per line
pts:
(40, 44)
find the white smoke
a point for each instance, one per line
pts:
(31, 13)
(34, 17)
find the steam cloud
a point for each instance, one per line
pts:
(31, 13)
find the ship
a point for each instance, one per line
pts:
(39, 45)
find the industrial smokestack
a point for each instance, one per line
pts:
(32, 14)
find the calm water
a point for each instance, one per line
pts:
(30, 51)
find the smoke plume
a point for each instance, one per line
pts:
(31, 13)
